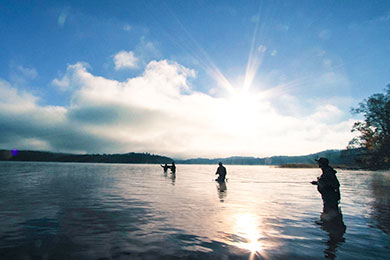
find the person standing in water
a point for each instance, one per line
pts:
(328, 186)
(331, 218)
(173, 168)
(221, 171)
(165, 167)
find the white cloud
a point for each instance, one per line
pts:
(326, 113)
(334, 79)
(158, 112)
(127, 27)
(9, 96)
(274, 52)
(20, 75)
(29, 73)
(324, 34)
(25, 124)
(125, 60)
(146, 51)
(62, 17)
(261, 48)
(63, 83)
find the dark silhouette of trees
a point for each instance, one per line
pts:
(374, 138)
(339, 158)
(6, 155)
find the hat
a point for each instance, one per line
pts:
(322, 161)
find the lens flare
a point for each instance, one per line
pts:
(14, 152)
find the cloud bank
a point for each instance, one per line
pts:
(159, 112)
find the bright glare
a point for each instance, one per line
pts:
(239, 113)
(247, 226)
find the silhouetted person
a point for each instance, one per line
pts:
(328, 185)
(331, 217)
(173, 168)
(165, 167)
(221, 171)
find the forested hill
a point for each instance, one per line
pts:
(8, 155)
(336, 157)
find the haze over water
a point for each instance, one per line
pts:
(92, 211)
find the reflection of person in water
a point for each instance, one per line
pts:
(173, 178)
(221, 171)
(336, 229)
(222, 191)
(331, 217)
(165, 167)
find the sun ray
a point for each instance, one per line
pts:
(256, 53)
(193, 48)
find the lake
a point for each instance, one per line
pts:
(121, 211)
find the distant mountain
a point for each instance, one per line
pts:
(336, 157)
(347, 158)
(8, 155)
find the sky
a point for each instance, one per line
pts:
(188, 79)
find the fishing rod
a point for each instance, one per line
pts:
(267, 182)
(276, 182)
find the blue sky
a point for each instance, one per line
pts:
(188, 78)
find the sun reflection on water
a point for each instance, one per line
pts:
(247, 227)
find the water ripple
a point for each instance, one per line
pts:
(102, 211)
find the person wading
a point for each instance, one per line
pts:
(221, 171)
(328, 186)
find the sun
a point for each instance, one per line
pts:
(238, 113)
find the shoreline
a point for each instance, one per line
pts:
(311, 166)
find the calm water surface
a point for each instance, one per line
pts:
(109, 211)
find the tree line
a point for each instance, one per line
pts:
(8, 155)
(374, 131)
